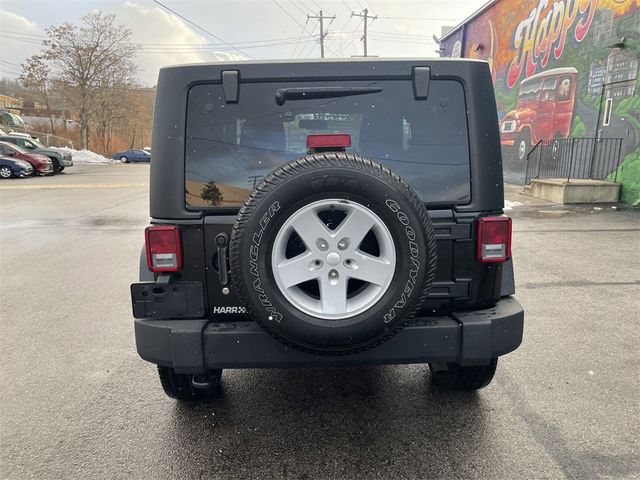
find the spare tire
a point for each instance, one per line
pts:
(332, 253)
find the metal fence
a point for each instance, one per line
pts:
(577, 158)
(47, 139)
(51, 140)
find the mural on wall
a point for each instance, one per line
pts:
(563, 68)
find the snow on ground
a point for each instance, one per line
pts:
(87, 156)
(508, 205)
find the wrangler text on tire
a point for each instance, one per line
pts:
(332, 253)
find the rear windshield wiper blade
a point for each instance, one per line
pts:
(310, 93)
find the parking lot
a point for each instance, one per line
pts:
(77, 402)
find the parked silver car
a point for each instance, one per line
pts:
(61, 158)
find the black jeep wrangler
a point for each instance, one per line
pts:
(326, 213)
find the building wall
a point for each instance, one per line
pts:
(523, 38)
(10, 104)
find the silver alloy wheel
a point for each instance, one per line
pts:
(555, 149)
(522, 149)
(5, 172)
(333, 257)
(123, 159)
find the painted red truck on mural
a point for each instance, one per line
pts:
(544, 110)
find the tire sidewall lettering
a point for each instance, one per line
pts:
(413, 248)
(414, 253)
(254, 262)
(353, 179)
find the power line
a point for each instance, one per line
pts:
(386, 40)
(332, 51)
(10, 72)
(178, 45)
(214, 50)
(320, 17)
(309, 52)
(21, 39)
(410, 42)
(287, 12)
(23, 34)
(297, 7)
(366, 2)
(305, 7)
(190, 47)
(339, 35)
(212, 44)
(296, 4)
(200, 28)
(10, 64)
(303, 47)
(338, 38)
(322, 33)
(400, 34)
(364, 15)
(164, 49)
(316, 4)
(434, 19)
(353, 37)
(302, 32)
(204, 46)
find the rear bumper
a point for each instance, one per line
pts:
(468, 338)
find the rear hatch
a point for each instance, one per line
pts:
(232, 145)
(242, 122)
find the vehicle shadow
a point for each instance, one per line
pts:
(362, 422)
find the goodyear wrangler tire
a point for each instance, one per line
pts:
(332, 253)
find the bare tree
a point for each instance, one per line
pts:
(35, 76)
(140, 118)
(112, 102)
(87, 60)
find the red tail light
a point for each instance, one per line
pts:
(332, 140)
(494, 239)
(164, 253)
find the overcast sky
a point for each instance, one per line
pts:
(261, 29)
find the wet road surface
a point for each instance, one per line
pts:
(77, 402)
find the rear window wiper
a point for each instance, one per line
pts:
(310, 93)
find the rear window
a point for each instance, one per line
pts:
(229, 147)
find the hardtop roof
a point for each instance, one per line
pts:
(326, 61)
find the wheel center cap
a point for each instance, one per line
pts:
(333, 259)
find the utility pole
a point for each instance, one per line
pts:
(323, 34)
(365, 15)
(255, 179)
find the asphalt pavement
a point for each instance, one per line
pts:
(77, 402)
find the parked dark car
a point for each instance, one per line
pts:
(132, 155)
(326, 213)
(11, 167)
(41, 163)
(60, 158)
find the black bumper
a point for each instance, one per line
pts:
(468, 338)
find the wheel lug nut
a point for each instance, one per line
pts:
(343, 244)
(322, 244)
(333, 274)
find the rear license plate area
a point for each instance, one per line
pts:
(174, 300)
